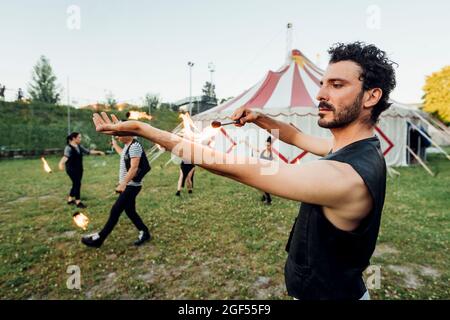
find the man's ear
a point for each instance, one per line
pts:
(372, 97)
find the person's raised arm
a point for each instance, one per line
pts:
(286, 132)
(116, 146)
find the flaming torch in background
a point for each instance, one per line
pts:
(46, 166)
(138, 115)
(81, 220)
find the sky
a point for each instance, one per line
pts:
(131, 48)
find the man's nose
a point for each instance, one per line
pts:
(322, 95)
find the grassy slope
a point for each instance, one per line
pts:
(213, 244)
(38, 126)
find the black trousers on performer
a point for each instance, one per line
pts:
(127, 202)
(75, 175)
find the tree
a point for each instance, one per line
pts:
(437, 94)
(111, 102)
(151, 102)
(209, 90)
(43, 85)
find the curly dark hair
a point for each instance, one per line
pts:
(377, 70)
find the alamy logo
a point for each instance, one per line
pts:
(74, 17)
(373, 21)
(74, 280)
(373, 274)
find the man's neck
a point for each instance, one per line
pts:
(353, 132)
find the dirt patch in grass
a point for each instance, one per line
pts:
(384, 249)
(107, 286)
(21, 200)
(428, 271)
(410, 278)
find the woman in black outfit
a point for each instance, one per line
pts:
(73, 162)
(186, 176)
(267, 155)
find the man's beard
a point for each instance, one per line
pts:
(346, 116)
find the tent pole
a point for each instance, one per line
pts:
(445, 131)
(392, 172)
(420, 161)
(288, 42)
(429, 139)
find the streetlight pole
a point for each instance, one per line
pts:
(211, 68)
(190, 64)
(68, 107)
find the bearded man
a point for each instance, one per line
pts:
(341, 194)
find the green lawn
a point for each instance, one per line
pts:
(219, 243)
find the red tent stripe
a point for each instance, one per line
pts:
(389, 142)
(264, 93)
(299, 157)
(300, 96)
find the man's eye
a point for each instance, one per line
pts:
(337, 85)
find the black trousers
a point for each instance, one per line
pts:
(127, 202)
(267, 197)
(76, 176)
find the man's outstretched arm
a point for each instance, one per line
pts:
(287, 132)
(326, 183)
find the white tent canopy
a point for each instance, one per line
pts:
(289, 95)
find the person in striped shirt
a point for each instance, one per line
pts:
(129, 187)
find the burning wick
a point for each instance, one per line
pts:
(46, 166)
(218, 124)
(80, 220)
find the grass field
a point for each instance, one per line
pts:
(219, 243)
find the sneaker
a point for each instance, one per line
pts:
(143, 237)
(177, 194)
(263, 198)
(190, 191)
(71, 202)
(92, 240)
(81, 205)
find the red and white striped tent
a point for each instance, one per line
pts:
(289, 94)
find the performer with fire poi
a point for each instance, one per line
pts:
(72, 161)
(342, 193)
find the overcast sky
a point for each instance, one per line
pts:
(134, 47)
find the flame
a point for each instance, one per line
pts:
(188, 126)
(46, 166)
(193, 133)
(81, 220)
(137, 115)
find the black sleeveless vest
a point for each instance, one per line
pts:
(75, 161)
(325, 262)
